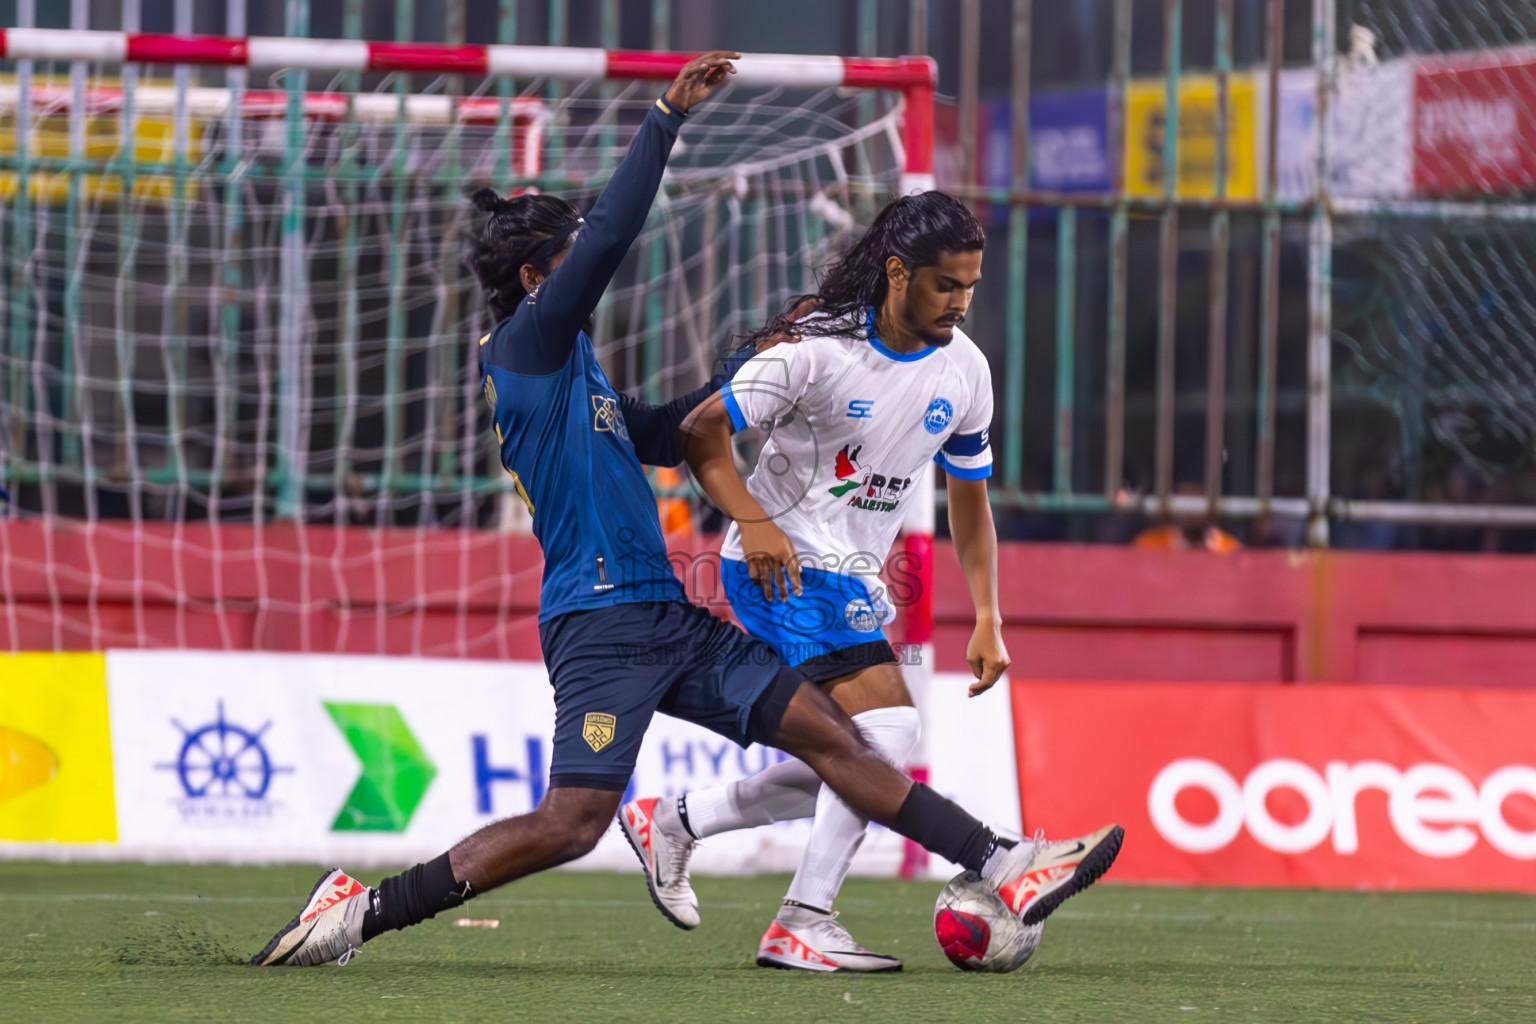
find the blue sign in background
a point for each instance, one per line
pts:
(1069, 136)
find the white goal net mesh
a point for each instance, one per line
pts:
(235, 318)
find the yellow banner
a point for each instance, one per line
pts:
(55, 749)
(1146, 116)
(153, 142)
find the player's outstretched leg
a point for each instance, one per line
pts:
(341, 913)
(1034, 877)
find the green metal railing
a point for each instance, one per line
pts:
(134, 386)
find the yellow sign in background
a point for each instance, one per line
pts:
(153, 143)
(1146, 114)
(55, 749)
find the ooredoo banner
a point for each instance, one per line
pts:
(1331, 786)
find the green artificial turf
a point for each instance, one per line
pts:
(101, 942)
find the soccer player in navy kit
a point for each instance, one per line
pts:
(575, 447)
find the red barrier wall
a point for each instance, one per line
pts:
(1093, 612)
(1072, 612)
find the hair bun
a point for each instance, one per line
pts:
(488, 201)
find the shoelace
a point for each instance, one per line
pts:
(1036, 844)
(346, 957)
(678, 855)
(831, 930)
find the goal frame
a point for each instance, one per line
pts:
(913, 77)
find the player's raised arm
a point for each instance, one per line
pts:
(570, 293)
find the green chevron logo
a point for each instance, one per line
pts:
(396, 771)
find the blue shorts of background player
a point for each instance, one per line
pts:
(613, 668)
(831, 628)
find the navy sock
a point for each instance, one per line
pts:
(943, 827)
(413, 896)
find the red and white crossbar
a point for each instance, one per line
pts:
(913, 76)
(47, 44)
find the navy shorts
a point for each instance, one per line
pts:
(612, 668)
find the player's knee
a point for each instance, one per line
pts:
(571, 832)
(578, 834)
(584, 834)
(833, 738)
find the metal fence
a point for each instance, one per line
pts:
(1259, 313)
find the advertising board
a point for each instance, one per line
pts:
(1327, 786)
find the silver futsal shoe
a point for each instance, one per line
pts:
(804, 939)
(664, 854)
(328, 930)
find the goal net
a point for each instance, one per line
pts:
(238, 402)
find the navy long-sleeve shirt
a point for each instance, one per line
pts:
(573, 445)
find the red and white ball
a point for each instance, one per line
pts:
(977, 931)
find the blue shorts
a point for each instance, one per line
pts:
(612, 668)
(831, 629)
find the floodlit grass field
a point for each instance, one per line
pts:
(131, 942)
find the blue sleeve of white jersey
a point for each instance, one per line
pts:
(766, 386)
(967, 456)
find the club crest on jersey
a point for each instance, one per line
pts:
(598, 730)
(606, 416)
(490, 393)
(939, 413)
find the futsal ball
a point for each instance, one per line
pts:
(977, 931)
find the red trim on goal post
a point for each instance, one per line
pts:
(917, 130)
(429, 57)
(163, 49)
(646, 64)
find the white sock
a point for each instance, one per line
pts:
(782, 792)
(839, 829)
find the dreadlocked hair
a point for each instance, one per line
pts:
(915, 229)
(526, 229)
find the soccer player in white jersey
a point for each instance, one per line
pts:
(882, 384)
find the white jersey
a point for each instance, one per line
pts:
(852, 426)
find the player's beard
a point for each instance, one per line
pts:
(930, 332)
(937, 340)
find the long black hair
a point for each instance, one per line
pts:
(915, 229)
(526, 229)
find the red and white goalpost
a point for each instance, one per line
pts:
(237, 404)
(912, 77)
(273, 272)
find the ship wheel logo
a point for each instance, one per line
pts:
(223, 760)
